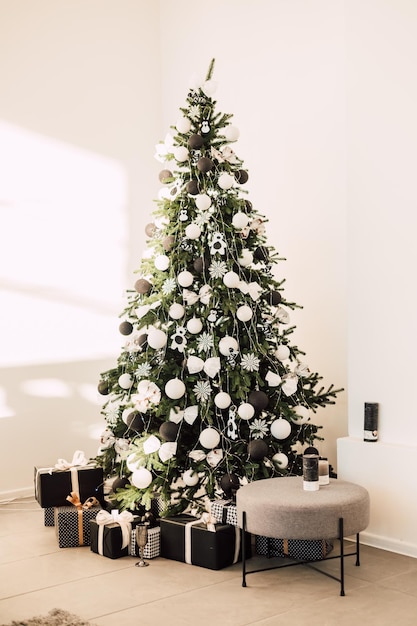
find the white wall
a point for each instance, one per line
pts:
(79, 117)
(382, 139)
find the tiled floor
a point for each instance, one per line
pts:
(36, 576)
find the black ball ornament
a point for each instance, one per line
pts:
(168, 242)
(199, 264)
(164, 176)
(141, 340)
(150, 229)
(257, 449)
(275, 297)
(230, 484)
(120, 483)
(311, 450)
(192, 187)
(169, 431)
(126, 328)
(103, 388)
(261, 254)
(249, 206)
(136, 422)
(204, 164)
(195, 142)
(258, 399)
(142, 285)
(241, 177)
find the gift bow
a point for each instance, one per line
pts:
(210, 521)
(253, 289)
(74, 498)
(124, 519)
(191, 297)
(78, 459)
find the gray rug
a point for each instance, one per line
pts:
(56, 617)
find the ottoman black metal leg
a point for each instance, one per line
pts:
(243, 548)
(342, 559)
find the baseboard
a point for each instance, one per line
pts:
(385, 543)
(17, 494)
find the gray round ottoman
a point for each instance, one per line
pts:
(281, 508)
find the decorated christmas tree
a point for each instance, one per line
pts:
(208, 392)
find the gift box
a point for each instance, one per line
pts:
(153, 545)
(111, 535)
(299, 549)
(49, 516)
(186, 538)
(224, 511)
(73, 525)
(53, 485)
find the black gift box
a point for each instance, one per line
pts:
(73, 525)
(211, 549)
(112, 539)
(52, 486)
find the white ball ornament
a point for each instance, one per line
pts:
(194, 326)
(280, 428)
(203, 201)
(222, 400)
(240, 220)
(231, 133)
(209, 438)
(141, 478)
(183, 125)
(195, 364)
(157, 338)
(231, 280)
(161, 262)
(125, 381)
(175, 388)
(227, 345)
(190, 478)
(244, 313)
(246, 258)
(180, 154)
(185, 278)
(176, 311)
(281, 460)
(246, 411)
(282, 353)
(192, 231)
(225, 181)
(301, 414)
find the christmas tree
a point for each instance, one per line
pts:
(208, 392)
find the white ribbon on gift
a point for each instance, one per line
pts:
(78, 459)
(124, 519)
(187, 540)
(210, 522)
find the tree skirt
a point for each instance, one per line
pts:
(55, 617)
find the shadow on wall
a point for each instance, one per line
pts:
(48, 412)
